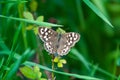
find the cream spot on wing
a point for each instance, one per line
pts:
(75, 38)
(45, 29)
(49, 37)
(70, 38)
(50, 43)
(68, 43)
(46, 44)
(65, 50)
(69, 35)
(45, 36)
(46, 39)
(42, 32)
(73, 34)
(49, 31)
(46, 33)
(64, 45)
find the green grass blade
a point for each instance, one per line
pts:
(105, 72)
(1, 62)
(80, 57)
(31, 21)
(15, 38)
(2, 45)
(13, 1)
(97, 11)
(87, 64)
(63, 73)
(94, 70)
(14, 67)
(5, 52)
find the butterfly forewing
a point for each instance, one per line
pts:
(47, 34)
(67, 41)
(49, 37)
(72, 38)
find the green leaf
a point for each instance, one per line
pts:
(61, 31)
(39, 74)
(40, 19)
(28, 72)
(97, 11)
(28, 15)
(43, 24)
(36, 68)
(60, 65)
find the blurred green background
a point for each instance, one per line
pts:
(96, 54)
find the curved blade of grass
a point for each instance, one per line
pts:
(80, 57)
(1, 62)
(87, 64)
(13, 1)
(63, 73)
(97, 11)
(32, 21)
(103, 71)
(5, 52)
(14, 67)
(2, 45)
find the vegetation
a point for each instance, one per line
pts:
(95, 57)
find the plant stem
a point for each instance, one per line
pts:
(52, 67)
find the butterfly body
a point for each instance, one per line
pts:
(58, 43)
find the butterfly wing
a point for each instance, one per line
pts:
(49, 37)
(67, 41)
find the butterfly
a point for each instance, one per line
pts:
(56, 43)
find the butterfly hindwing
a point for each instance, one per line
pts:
(50, 47)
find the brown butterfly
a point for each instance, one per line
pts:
(57, 43)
